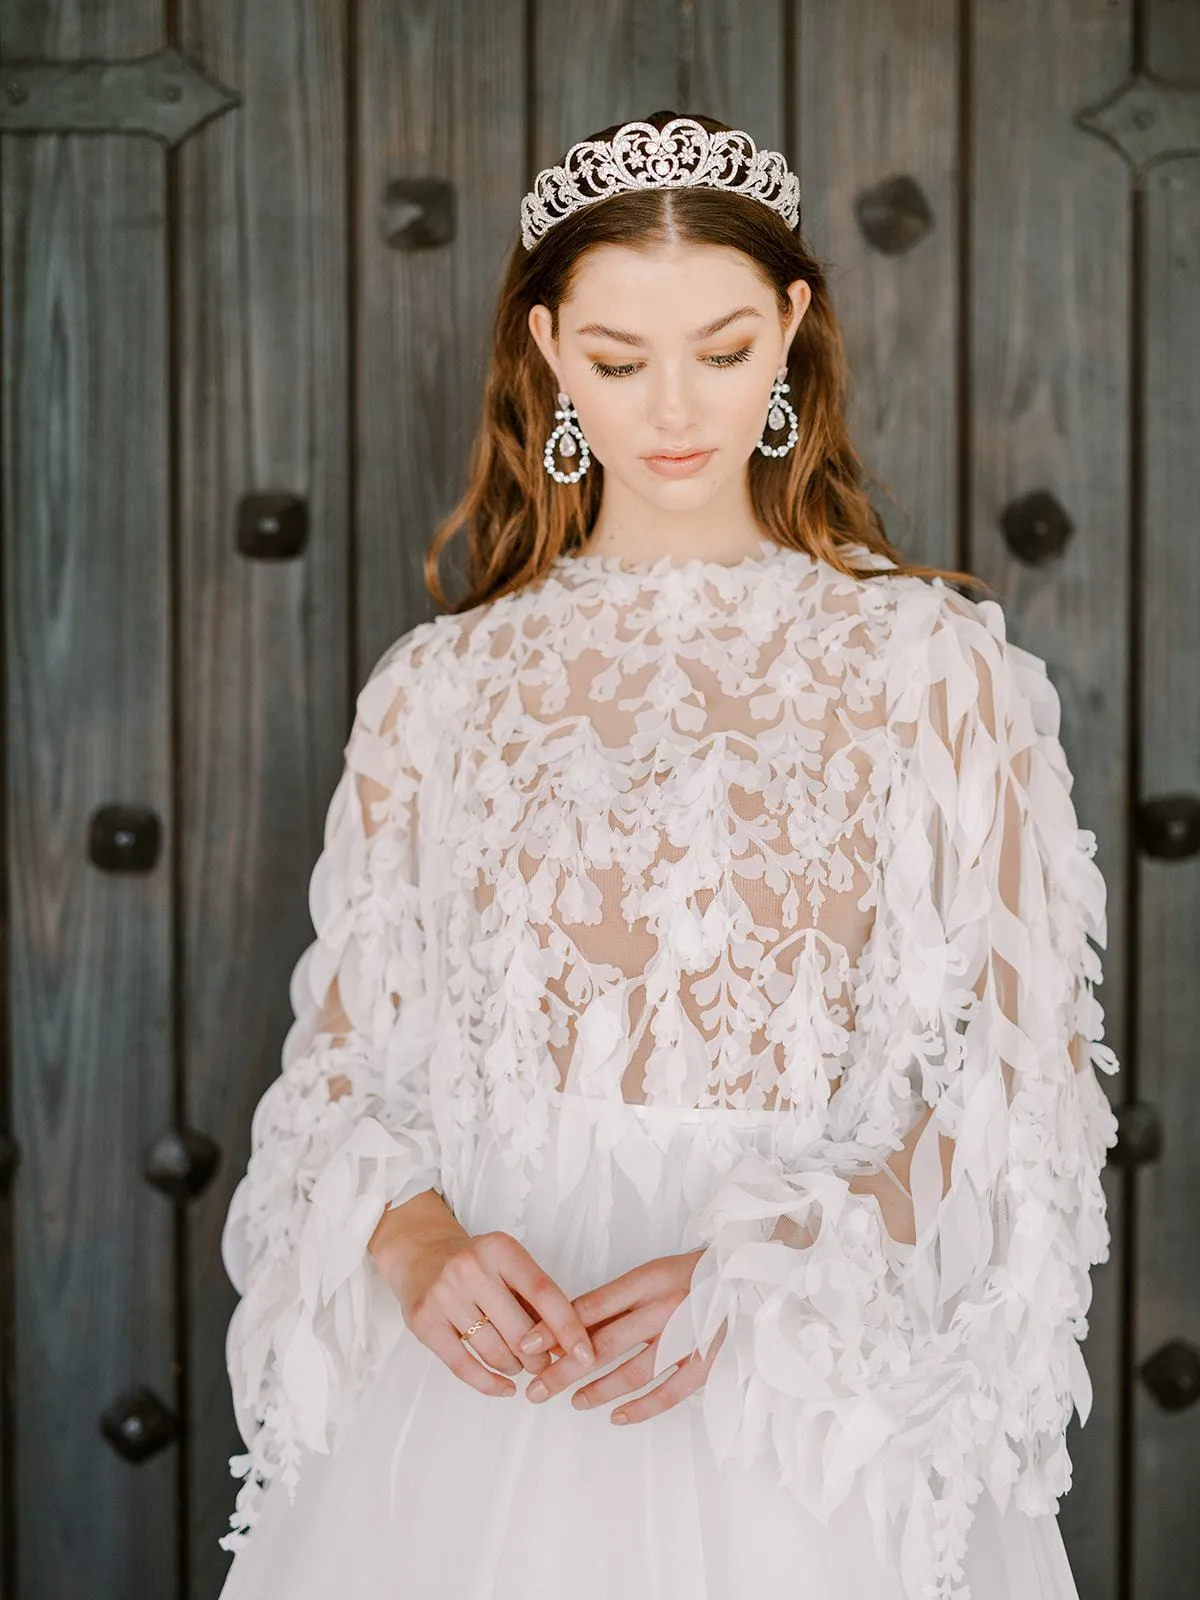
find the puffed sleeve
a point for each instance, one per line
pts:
(345, 1130)
(902, 1306)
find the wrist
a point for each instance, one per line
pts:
(408, 1227)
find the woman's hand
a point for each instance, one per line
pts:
(621, 1314)
(445, 1278)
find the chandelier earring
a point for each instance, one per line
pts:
(777, 419)
(569, 436)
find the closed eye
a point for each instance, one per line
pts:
(726, 360)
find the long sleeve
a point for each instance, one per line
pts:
(903, 1304)
(345, 1130)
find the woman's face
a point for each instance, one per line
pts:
(671, 350)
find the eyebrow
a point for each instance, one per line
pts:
(706, 332)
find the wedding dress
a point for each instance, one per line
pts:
(667, 906)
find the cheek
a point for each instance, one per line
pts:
(616, 403)
(607, 420)
(753, 401)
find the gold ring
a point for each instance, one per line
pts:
(475, 1327)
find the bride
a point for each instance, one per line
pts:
(697, 1055)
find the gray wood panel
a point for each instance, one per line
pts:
(735, 67)
(1048, 393)
(263, 645)
(600, 64)
(442, 93)
(8, 1438)
(1166, 1443)
(876, 91)
(87, 551)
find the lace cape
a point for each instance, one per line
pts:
(756, 836)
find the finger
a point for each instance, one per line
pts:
(543, 1336)
(464, 1295)
(535, 1361)
(613, 1340)
(609, 1340)
(607, 1300)
(508, 1323)
(599, 1307)
(445, 1343)
(519, 1269)
(471, 1284)
(625, 1379)
(488, 1345)
(685, 1380)
(689, 1374)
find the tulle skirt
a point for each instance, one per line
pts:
(438, 1492)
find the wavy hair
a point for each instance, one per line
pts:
(517, 519)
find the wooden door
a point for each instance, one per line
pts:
(249, 253)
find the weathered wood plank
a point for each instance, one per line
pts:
(8, 1347)
(1048, 395)
(600, 64)
(734, 65)
(263, 648)
(442, 94)
(1166, 1444)
(87, 550)
(875, 91)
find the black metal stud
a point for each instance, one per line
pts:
(138, 1425)
(418, 213)
(1036, 528)
(1168, 827)
(894, 216)
(10, 1158)
(1172, 1375)
(272, 526)
(124, 838)
(181, 1162)
(1139, 1135)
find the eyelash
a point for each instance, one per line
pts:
(727, 360)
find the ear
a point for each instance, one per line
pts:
(539, 327)
(800, 295)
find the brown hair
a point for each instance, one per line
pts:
(518, 519)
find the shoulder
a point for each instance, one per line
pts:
(940, 645)
(413, 690)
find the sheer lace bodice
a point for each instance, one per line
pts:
(692, 812)
(767, 842)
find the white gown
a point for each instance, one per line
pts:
(689, 906)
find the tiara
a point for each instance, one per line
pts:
(682, 155)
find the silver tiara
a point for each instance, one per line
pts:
(682, 156)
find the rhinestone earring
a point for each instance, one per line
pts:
(571, 434)
(776, 418)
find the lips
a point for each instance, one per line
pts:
(675, 455)
(679, 466)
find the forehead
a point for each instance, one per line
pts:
(672, 286)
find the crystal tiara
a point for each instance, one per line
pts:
(638, 156)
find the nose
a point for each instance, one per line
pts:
(673, 412)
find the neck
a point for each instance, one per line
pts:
(722, 530)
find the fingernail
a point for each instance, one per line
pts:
(580, 1401)
(531, 1341)
(536, 1390)
(619, 1416)
(582, 1353)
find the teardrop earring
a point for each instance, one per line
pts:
(776, 418)
(571, 434)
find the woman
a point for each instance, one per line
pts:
(701, 991)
